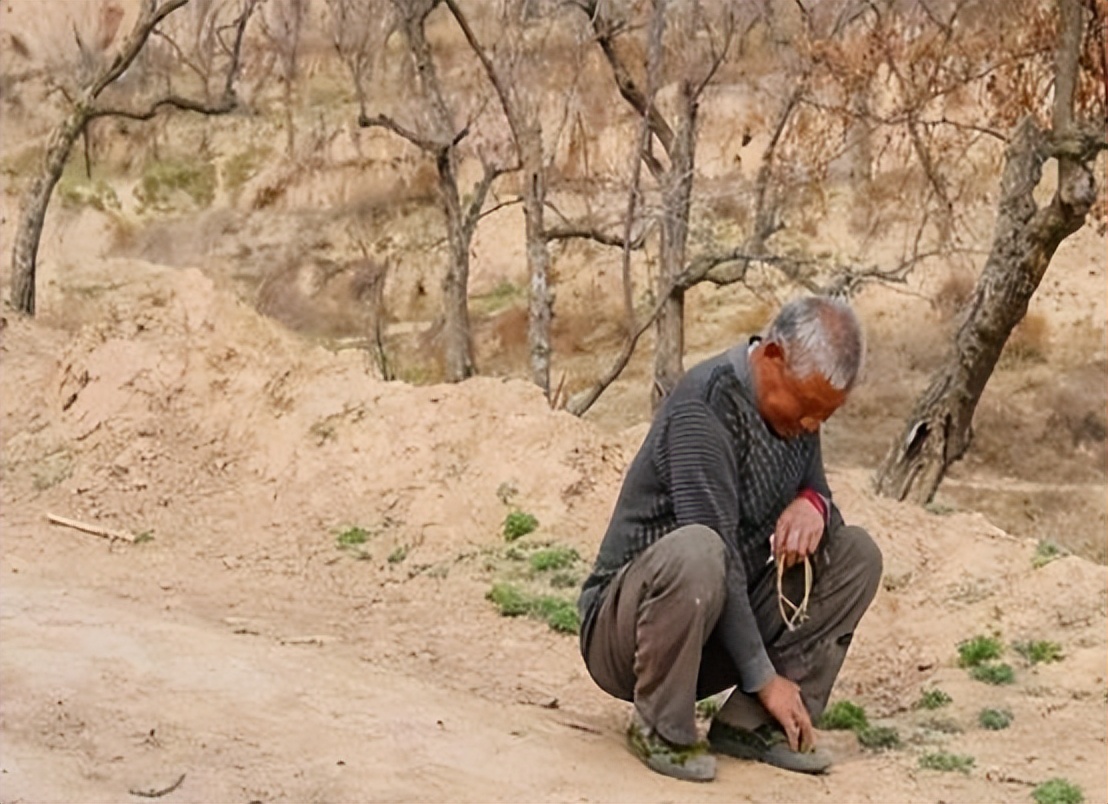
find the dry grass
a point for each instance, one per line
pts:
(1028, 343)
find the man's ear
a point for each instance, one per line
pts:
(773, 351)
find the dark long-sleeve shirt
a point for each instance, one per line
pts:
(710, 459)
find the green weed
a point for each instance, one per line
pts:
(1045, 552)
(144, 537)
(399, 553)
(518, 524)
(972, 652)
(1038, 651)
(995, 719)
(844, 716)
(553, 558)
(879, 737)
(993, 673)
(565, 580)
(933, 699)
(352, 537)
(944, 761)
(558, 613)
(505, 294)
(1057, 791)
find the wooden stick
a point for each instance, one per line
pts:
(96, 530)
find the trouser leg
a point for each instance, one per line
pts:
(846, 571)
(647, 639)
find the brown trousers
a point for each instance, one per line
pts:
(655, 639)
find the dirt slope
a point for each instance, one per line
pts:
(242, 648)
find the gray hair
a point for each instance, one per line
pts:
(820, 334)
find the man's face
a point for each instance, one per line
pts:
(792, 406)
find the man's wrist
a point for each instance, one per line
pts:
(816, 500)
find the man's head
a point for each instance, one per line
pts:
(806, 364)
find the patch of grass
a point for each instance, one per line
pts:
(518, 524)
(352, 536)
(844, 716)
(241, 167)
(708, 708)
(945, 761)
(943, 725)
(558, 613)
(553, 558)
(1045, 552)
(880, 738)
(163, 180)
(972, 652)
(1057, 791)
(933, 699)
(1038, 651)
(565, 580)
(144, 537)
(505, 294)
(993, 673)
(939, 509)
(399, 553)
(75, 193)
(995, 719)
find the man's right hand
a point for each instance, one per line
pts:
(781, 698)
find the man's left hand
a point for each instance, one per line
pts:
(798, 531)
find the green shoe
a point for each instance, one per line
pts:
(692, 763)
(766, 744)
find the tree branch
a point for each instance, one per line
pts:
(423, 143)
(587, 233)
(150, 15)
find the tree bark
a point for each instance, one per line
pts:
(541, 301)
(676, 185)
(32, 214)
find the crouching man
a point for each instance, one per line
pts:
(726, 564)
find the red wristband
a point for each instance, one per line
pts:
(816, 500)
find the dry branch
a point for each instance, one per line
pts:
(95, 530)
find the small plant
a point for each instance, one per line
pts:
(399, 553)
(565, 580)
(553, 558)
(708, 708)
(879, 737)
(944, 761)
(560, 614)
(943, 725)
(993, 673)
(352, 536)
(995, 719)
(1045, 552)
(518, 524)
(144, 537)
(972, 652)
(844, 716)
(933, 699)
(1038, 651)
(1057, 791)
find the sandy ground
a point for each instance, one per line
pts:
(242, 649)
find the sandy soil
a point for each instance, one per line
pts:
(241, 648)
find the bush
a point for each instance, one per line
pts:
(1057, 791)
(352, 536)
(972, 652)
(844, 716)
(1038, 651)
(933, 699)
(995, 719)
(879, 737)
(560, 614)
(518, 524)
(553, 558)
(944, 761)
(993, 673)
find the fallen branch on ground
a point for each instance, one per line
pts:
(96, 530)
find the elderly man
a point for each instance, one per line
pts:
(726, 564)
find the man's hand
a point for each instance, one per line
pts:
(781, 698)
(798, 531)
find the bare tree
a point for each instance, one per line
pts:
(439, 138)
(691, 68)
(939, 429)
(282, 22)
(88, 105)
(521, 106)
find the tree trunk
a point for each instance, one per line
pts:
(676, 198)
(940, 428)
(457, 342)
(32, 214)
(538, 258)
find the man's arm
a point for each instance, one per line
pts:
(704, 484)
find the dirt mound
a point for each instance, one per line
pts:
(253, 647)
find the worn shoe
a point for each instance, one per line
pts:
(766, 744)
(692, 763)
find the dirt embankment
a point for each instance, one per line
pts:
(242, 647)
